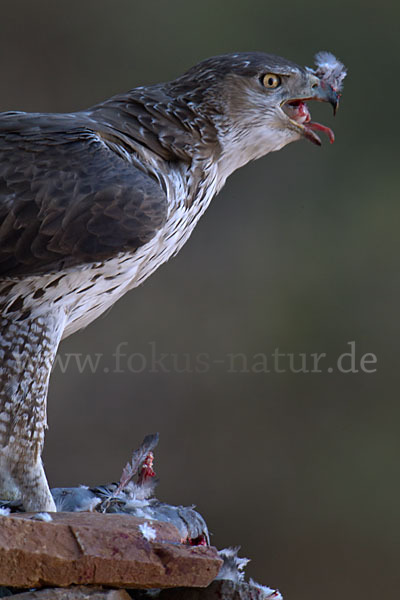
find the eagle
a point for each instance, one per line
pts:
(93, 202)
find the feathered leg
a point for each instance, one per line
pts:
(27, 351)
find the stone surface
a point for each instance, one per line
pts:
(100, 549)
(218, 590)
(73, 593)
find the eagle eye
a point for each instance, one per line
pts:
(271, 81)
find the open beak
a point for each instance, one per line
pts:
(297, 111)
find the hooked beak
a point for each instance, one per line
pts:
(297, 111)
(324, 92)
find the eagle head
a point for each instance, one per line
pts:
(257, 102)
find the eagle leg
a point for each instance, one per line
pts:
(27, 349)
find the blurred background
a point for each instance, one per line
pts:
(297, 255)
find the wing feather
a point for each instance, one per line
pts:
(68, 199)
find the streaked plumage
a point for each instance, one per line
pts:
(91, 203)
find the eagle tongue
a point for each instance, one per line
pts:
(299, 111)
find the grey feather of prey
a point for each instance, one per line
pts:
(233, 571)
(233, 567)
(330, 69)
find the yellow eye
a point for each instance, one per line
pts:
(271, 81)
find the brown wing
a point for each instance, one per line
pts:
(66, 198)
